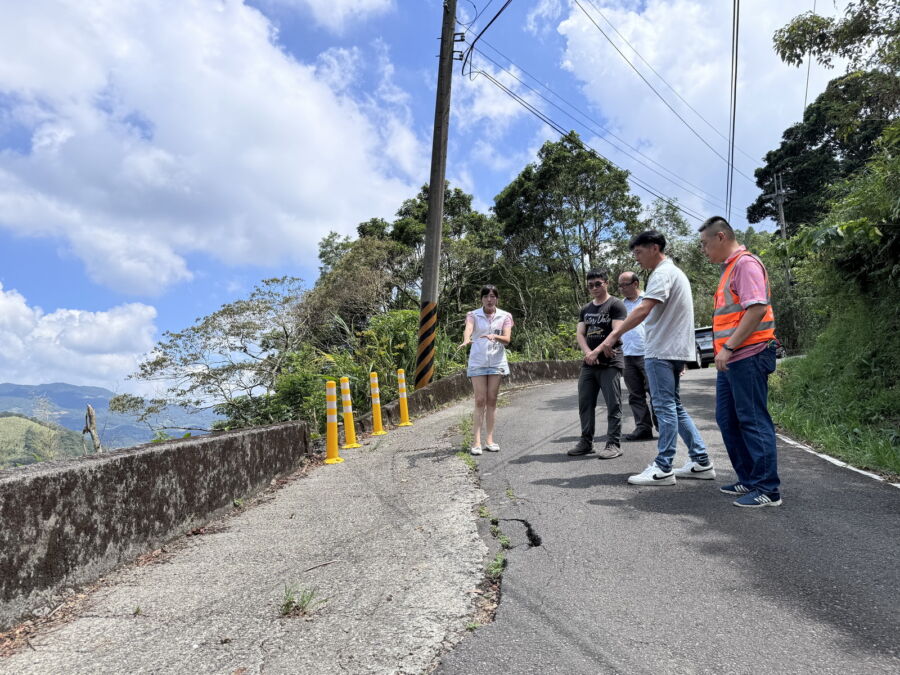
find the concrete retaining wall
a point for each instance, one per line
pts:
(67, 523)
(458, 386)
(63, 524)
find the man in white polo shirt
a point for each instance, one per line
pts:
(635, 375)
(667, 312)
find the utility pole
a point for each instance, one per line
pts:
(780, 195)
(432, 261)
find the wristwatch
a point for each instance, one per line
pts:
(731, 349)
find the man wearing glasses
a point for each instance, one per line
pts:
(600, 372)
(668, 309)
(635, 375)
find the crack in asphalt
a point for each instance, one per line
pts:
(534, 539)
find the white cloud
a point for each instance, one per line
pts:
(478, 102)
(337, 14)
(541, 16)
(69, 345)
(162, 130)
(688, 43)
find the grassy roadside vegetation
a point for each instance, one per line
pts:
(843, 397)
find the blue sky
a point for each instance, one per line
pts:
(157, 159)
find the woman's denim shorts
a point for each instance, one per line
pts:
(486, 370)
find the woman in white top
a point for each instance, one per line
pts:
(488, 330)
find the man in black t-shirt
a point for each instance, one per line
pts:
(600, 373)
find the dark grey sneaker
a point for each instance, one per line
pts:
(611, 451)
(583, 448)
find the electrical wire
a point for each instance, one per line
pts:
(549, 121)
(477, 13)
(467, 57)
(732, 113)
(665, 82)
(660, 96)
(808, 64)
(677, 181)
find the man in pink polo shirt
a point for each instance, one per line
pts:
(744, 342)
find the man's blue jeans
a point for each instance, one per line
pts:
(663, 377)
(743, 416)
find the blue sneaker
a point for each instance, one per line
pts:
(735, 489)
(757, 499)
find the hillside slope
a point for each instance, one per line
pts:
(24, 441)
(67, 407)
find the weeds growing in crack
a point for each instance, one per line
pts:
(468, 460)
(504, 542)
(300, 602)
(483, 512)
(497, 565)
(465, 428)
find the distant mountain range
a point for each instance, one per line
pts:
(67, 405)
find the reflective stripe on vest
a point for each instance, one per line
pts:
(727, 316)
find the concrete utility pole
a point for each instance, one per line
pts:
(780, 195)
(432, 262)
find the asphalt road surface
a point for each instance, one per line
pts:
(675, 579)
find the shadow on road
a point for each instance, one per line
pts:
(549, 458)
(831, 551)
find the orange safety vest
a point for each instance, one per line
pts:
(727, 316)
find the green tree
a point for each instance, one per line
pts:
(228, 360)
(868, 36)
(567, 212)
(835, 139)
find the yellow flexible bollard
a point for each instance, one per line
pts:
(404, 407)
(377, 428)
(331, 425)
(349, 429)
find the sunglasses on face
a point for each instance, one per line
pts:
(627, 283)
(595, 284)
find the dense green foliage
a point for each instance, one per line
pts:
(844, 396)
(836, 138)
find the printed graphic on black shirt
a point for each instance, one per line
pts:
(597, 321)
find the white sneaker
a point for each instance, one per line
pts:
(653, 475)
(492, 447)
(475, 450)
(693, 470)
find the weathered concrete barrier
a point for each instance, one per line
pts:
(67, 523)
(458, 386)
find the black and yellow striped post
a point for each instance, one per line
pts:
(425, 352)
(431, 261)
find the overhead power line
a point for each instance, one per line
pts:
(660, 96)
(467, 57)
(562, 131)
(665, 82)
(732, 112)
(673, 178)
(808, 64)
